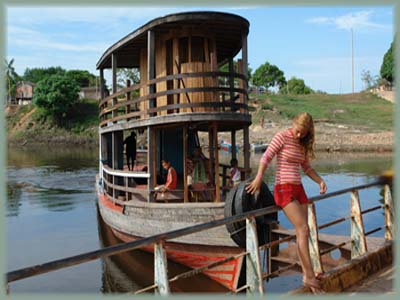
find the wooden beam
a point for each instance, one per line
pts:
(102, 92)
(246, 150)
(151, 145)
(313, 244)
(151, 66)
(359, 243)
(185, 150)
(389, 213)
(114, 81)
(216, 163)
(231, 82)
(233, 143)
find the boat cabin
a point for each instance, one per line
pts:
(181, 103)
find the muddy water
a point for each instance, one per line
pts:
(51, 213)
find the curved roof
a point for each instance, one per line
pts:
(227, 28)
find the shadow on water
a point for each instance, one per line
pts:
(133, 270)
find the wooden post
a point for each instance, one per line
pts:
(185, 174)
(216, 163)
(359, 243)
(246, 151)
(253, 266)
(389, 210)
(313, 245)
(128, 97)
(114, 81)
(210, 153)
(151, 157)
(231, 83)
(102, 84)
(161, 269)
(233, 143)
(244, 62)
(151, 67)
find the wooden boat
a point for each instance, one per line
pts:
(259, 147)
(227, 147)
(181, 103)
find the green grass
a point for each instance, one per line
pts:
(360, 109)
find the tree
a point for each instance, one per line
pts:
(123, 74)
(268, 75)
(82, 77)
(367, 78)
(387, 67)
(296, 86)
(11, 77)
(37, 74)
(56, 95)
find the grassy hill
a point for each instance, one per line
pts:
(29, 124)
(26, 124)
(360, 109)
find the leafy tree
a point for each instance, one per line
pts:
(296, 86)
(56, 95)
(37, 74)
(11, 77)
(82, 77)
(387, 67)
(123, 74)
(367, 78)
(268, 75)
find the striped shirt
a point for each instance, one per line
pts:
(290, 157)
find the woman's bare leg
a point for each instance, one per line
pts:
(297, 215)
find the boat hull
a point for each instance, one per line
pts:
(138, 220)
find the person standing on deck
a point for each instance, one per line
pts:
(130, 150)
(294, 148)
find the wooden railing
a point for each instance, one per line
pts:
(124, 104)
(255, 275)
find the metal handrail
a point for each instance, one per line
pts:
(159, 238)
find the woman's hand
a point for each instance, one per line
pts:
(322, 187)
(254, 186)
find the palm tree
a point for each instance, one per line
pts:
(11, 76)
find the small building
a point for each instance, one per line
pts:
(24, 92)
(90, 92)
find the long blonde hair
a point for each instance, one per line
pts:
(305, 120)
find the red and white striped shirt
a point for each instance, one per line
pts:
(290, 156)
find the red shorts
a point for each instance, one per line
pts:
(285, 193)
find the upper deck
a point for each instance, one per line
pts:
(178, 58)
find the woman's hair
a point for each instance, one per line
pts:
(305, 120)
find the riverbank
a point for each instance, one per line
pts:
(345, 123)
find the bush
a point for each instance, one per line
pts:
(56, 95)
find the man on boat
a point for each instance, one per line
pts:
(130, 150)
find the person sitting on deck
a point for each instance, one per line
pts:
(172, 178)
(130, 150)
(199, 174)
(234, 177)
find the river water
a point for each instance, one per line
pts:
(51, 213)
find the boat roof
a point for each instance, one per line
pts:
(227, 29)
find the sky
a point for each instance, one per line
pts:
(311, 43)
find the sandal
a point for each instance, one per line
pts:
(314, 285)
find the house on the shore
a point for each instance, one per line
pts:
(23, 93)
(90, 92)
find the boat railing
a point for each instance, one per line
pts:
(255, 275)
(134, 102)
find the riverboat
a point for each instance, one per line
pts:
(182, 102)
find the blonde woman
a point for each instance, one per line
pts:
(293, 148)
